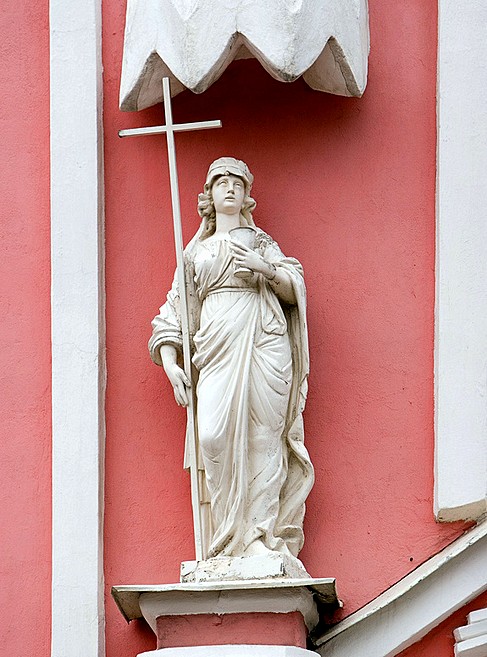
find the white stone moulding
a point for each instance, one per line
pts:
(407, 611)
(281, 596)
(471, 639)
(78, 334)
(461, 264)
(230, 651)
(193, 41)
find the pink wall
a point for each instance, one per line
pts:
(25, 369)
(345, 185)
(348, 187)
(439, 642)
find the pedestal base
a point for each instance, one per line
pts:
(250, 650)
(276, 614)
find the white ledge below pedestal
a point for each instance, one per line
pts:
(230, 651)
(308, 596)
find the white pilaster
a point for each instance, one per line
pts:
(78, 336)
(461, 311)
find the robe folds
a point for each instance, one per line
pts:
(251, 355)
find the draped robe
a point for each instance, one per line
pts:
(251, 355)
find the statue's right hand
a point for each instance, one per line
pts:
(179, 382)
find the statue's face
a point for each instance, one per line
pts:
(228, 193)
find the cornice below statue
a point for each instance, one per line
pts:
(193, 41)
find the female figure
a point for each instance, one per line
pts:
(251, 353)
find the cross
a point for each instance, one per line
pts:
(170, 128)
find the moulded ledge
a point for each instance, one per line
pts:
(187, 595)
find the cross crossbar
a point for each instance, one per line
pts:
(176, 127)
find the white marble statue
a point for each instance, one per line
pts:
(250, 351)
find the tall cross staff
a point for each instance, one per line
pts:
(170, 128)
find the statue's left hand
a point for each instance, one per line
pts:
(245, 257)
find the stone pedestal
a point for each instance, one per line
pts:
(266, 617)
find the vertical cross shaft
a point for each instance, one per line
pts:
(170, 128)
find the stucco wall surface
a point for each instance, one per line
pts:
(348, 187)
(25, 571)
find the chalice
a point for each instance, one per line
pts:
(246, 236)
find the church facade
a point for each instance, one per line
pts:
(382, 199)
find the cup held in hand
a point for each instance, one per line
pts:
(246, 236)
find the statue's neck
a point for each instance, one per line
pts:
(225, 222)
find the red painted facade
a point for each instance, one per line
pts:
(348, 187)
(286, 629)
(345, 185)
(25, 358)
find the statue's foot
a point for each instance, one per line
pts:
(255, 548)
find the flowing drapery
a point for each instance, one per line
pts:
(252, 357)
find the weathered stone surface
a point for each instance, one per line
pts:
(266, 566)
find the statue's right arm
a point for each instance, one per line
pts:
(175, 374)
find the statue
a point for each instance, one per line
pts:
(250, 357)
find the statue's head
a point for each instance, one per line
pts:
(225, 166)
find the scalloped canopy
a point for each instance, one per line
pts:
(193, 41)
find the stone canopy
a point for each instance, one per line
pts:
(193, 41)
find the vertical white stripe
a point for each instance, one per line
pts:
(78, 334)
(461, 311)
